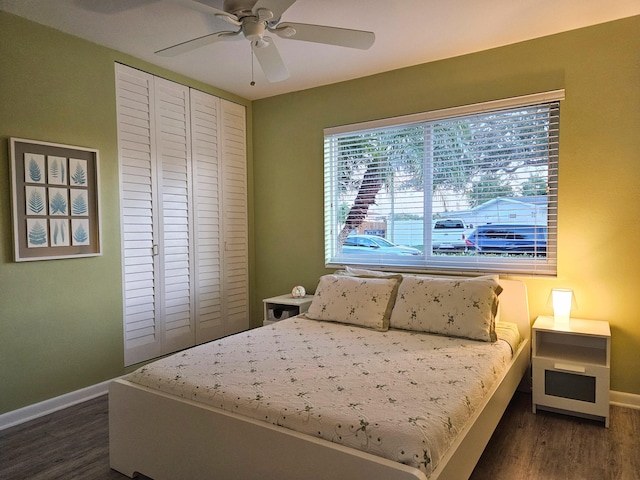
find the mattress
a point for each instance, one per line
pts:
(396, 394)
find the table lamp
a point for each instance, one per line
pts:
(562, 298)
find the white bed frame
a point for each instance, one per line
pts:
(166, 437)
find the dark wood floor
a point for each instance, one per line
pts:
(73, 444)
(550, 446)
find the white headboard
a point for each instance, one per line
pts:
(514, 305)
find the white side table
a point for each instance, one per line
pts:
(284, 306)
(571, 367)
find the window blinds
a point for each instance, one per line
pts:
(492, 164)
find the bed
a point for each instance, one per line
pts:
(255, 405)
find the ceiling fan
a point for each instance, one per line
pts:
(255, 18)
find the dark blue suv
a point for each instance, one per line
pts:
(508, 238)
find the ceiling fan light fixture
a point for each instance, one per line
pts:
(252, 29)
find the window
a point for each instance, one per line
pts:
(466, 189)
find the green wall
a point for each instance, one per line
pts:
(61, 320)
(599, 174)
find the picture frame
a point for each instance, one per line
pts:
(55, 200)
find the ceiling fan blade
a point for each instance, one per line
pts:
(195, 43)
(278, 7)
(207, 9)
(270, 60)
(343, 37)
(112, 6)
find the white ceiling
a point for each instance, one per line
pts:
(408, 32)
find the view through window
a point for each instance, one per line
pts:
(472, 189)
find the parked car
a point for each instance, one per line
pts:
(449, 235)
(508, 238)
(358, 244)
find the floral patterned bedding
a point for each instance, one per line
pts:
(396, 394)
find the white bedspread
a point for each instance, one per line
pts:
(397, 394)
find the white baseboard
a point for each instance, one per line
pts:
(623, 399)
(31, 412)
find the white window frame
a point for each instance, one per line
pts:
(525, 265)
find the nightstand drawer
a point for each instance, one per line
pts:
(567, 385)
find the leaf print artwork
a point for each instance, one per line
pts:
(57, 170)
(58, 201)
(34, 168)
(59, 232)
(54, 171)
(78, 172)
(80, 231)
(34, 171)
(37, 233)
(80, 235)
(57, 187)
(79, 177)
(35, 201)
(78, 202)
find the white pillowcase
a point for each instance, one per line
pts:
(363, 272)
(362, 301)
(454, 307)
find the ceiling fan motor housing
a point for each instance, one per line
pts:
(252, 29)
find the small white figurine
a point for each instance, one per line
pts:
(298, 292)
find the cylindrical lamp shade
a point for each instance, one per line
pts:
(561, 305)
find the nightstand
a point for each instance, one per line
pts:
(571, 367)
(284, 306)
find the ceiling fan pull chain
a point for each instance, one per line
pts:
(252, 60)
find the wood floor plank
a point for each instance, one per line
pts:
(73, 445)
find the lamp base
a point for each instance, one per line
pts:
(561, 321)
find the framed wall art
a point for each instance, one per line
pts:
(55, 200)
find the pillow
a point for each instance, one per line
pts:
(362, 272)
(454, 307)
(362, 301)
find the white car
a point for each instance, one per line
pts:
(449, 235)
(373, 244)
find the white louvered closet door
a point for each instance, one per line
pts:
(205, 134)
(136, 152)
(235, 220)
(220, 212)
(184, 215)
(175, 244)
